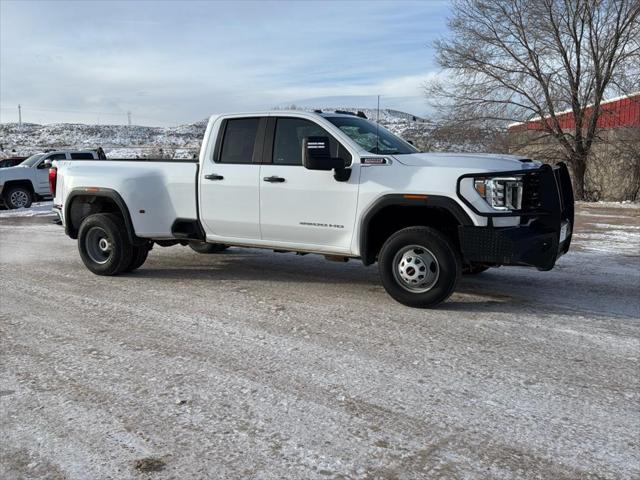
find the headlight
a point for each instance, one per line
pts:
(501, 193)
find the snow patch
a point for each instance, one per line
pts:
(624, 204)
(38, 209)
(614, 240)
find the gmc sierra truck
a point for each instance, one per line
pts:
(326, 183)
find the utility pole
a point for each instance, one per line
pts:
(20, 117)
(377, 126)
(129, 118)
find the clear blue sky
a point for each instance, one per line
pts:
(173, 62)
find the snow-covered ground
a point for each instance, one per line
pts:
(254, 364)
(37, 209)
(608, 227)
(625, 204)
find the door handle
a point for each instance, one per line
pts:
(273, 179)
(213, 176)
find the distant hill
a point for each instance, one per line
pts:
(33, 137)
(184, 141)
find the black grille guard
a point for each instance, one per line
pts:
(547, 203)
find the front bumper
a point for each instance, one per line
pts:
(545, 229)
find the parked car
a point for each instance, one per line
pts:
(27, 182)
(11, 161)
(325, 183)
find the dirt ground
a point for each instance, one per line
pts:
(257, 365)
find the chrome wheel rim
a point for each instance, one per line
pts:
(98, 245)
(19, 198)
(416, 269)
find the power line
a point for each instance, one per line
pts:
(378, 126)
(88, 112)
(120, 114)
(35, 109)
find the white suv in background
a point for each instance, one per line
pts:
(29, 181)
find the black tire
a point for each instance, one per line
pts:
(17, 197)
(419, 267)
(140, 253)
(108, 258)
(204, 247)
(474, 269)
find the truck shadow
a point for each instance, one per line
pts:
(504, 290)
(513, 290)
(499, 292)
(260, 266)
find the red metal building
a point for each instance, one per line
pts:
(615, 113)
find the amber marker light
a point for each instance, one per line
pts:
(415, 197)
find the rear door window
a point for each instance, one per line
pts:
(239, 140)
(82, 156)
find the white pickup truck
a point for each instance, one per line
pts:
(326, 183)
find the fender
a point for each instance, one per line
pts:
(100, 193)
(26, 182)
(408, 200)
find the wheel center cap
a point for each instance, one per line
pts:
(416, 268)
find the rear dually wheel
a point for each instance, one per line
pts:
(140, 253)
(104, 246)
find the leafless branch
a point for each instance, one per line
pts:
(514, 60)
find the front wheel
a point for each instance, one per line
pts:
(418, 267)
(104, 246)
(18, 197)
(204, 247)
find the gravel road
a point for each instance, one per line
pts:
(257, 365)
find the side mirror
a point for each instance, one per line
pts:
(317, 156)
(46, 164)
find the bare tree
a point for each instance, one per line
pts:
(516, 60)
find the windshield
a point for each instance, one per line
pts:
(32, 160)
(365, 132)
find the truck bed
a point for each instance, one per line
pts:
(157, 192)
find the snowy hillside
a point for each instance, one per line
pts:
(141, 140)
(184, 141)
